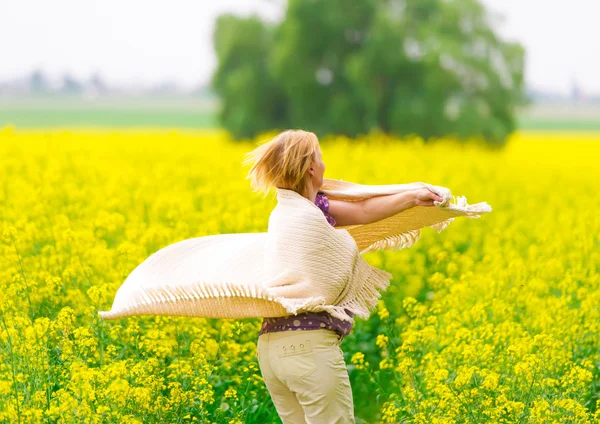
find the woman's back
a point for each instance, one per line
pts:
(311, 320)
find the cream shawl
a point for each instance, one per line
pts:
(300, 264)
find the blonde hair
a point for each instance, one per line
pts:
(283, 161)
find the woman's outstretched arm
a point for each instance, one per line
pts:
(378, 207)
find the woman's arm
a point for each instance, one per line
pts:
(378, 207)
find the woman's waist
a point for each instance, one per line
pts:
(306, 315)
(307, 321)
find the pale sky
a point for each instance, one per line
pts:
(148, 41)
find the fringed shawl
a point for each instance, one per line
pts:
(300, 264)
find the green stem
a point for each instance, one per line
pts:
(468, 408)
(22, 270)
(12, 363)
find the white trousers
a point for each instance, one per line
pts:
(306, 375)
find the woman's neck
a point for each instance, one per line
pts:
(311, 193)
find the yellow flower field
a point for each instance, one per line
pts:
(493, 320)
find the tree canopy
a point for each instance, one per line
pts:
(427, 67)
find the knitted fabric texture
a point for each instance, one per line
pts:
(300, 264)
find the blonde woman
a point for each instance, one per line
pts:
(299, 356)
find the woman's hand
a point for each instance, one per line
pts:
(425, 197)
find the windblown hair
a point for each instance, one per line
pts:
(283, 161)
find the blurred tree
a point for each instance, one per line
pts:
(428, 67)
(70, 85)
(251, 100)
(38, 82)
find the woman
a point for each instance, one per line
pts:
(299, 356)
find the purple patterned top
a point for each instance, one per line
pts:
(310, 320)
